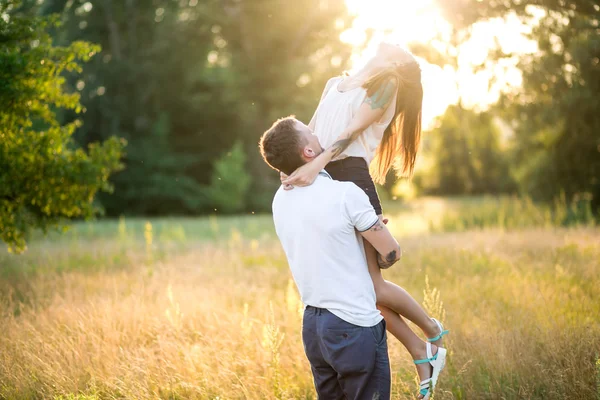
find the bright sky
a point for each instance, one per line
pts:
(404, 21)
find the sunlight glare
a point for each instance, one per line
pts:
(404, 22)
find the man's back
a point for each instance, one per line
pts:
(317, 227)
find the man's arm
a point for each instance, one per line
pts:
(388, 249)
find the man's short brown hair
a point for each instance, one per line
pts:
(281, 146)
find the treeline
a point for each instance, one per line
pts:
(190, 85)
(184, 81)
(541, 140)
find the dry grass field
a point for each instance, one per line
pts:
(205, 309)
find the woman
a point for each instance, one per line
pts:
(377, 110)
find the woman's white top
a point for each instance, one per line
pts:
(333, 116)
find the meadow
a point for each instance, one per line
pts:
(205, 308)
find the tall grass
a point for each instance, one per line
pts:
(129, 311)
(512, 213)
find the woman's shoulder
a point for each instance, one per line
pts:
(333, 81)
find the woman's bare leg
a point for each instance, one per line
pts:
(415, 346)
(399, 328)
(399, 300)
(396, 299)
(395, 302)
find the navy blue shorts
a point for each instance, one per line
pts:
(347, 361)
(356, 170)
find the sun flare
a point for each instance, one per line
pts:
(405, 22)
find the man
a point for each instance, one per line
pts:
(321, 227)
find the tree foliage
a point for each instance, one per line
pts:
(230, 181)
(555, 115)
(207, 74)
(183, 81)
(468, 156)
(44, 177)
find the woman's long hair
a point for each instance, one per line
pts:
(400, 142)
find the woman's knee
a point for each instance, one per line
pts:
(381, 291)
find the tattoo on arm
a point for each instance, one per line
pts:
(392, 257)
(389, 260)
(379, 100)
(338, 147)
(377, 227)
(382, 97)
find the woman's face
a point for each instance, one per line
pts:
(390, 54)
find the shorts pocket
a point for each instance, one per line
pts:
(343, 334)
(350, 352)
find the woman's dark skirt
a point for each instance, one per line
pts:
(356, 170)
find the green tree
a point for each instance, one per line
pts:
(555, 114)
(44, 178)
(280, 54)
(230, 181)
(467, 155)
(158, 173)
(220, 71)
(136, 88)
(558, 141)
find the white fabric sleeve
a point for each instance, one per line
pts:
(328, 86)
(359, 209)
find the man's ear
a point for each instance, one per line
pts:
(308, 153)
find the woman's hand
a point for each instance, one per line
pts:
(303, 176)
(283, 177)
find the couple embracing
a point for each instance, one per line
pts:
(329, 220)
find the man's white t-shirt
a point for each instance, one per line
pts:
(317, 226)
